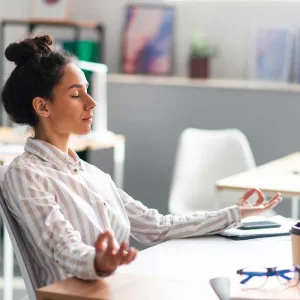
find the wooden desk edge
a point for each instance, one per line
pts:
(246, 188)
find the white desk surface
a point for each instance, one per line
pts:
(199, 259)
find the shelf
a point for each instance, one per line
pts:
(204, 83)
(53, 22)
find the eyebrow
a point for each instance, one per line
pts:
(79, 86)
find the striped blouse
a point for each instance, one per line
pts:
(62, 204)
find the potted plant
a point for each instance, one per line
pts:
(200, 54)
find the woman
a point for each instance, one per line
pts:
(75, 221)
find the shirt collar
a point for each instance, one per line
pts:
(52, 154)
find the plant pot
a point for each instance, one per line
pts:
(199, 67)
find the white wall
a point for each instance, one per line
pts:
(13, 9)
(227, 24)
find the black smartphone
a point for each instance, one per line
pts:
(259, 225)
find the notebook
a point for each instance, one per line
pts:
(238, 234)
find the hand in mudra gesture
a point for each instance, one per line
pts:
(260, 206)
(107, 258)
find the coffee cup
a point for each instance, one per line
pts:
(295, 238)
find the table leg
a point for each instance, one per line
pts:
(295, 208)
(119, 160)
(8, 267)
(217, 204)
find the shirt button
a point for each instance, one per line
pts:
(104, 204)
(75, 171)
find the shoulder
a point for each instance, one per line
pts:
(26, 161)
(22, 169)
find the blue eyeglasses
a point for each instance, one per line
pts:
(257, 277)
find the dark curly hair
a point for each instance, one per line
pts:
(38, 70)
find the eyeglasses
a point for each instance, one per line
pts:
(257, 277)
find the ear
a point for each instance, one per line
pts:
(40, 105)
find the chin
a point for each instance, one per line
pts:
(83, 131)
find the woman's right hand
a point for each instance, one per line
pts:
(107, 259)
(260, 206)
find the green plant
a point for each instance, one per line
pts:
(200, 48)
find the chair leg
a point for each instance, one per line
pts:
(8, 267)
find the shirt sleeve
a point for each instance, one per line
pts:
(27, 196)
(150, 227)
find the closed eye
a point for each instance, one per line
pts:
(75, 96)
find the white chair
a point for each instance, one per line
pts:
(19, 247)
(203, 157)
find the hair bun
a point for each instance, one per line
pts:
(30, 48)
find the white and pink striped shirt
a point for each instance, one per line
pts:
(62, 204)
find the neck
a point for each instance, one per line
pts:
(60, 141)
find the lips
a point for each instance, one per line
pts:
(88, 117)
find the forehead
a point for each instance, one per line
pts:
(72, 75)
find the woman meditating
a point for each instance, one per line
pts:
(75, 221)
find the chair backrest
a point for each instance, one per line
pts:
(203, 157)
(23, 257)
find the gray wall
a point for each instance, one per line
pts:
(152, 117)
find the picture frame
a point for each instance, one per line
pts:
(147, 41)
(271, 54)
(50, 9)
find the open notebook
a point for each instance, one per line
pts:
(238, 234)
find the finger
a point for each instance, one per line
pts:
(110, 244)
(130, 256)
(244, 199)
(270, 205)
(276, 197)
(135, 255)
(247, 195)
(101, 243)
(261, 198)
(120, 253)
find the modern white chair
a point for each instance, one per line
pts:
(203, 157)
(19, 246)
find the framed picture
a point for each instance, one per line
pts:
(147, 40)
(50, 9)
(271, 54)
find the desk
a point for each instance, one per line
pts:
(281, 175)
(93, 141)
(196, 260)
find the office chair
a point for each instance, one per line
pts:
(19, 245)
(203, 157)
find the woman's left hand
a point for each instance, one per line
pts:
(260, 206)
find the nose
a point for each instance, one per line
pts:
(90, 103)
